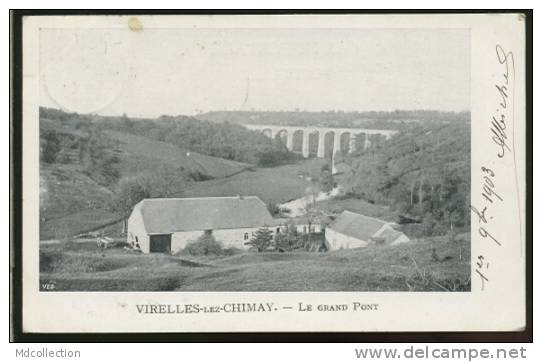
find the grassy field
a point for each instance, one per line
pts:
(142, 155)
(272, 185)
(432, 264)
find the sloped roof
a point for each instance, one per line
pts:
(301, 220)
(356, 225)
(390, 235)
(163, 216)
(278, 221)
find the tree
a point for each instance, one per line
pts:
(273, 208)
(164, 182)
(51, 146)
(429, 223)
(262, 239)
(129, 193)
(109, 169)
(456, 200)
(326, 180)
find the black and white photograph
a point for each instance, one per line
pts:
(254, 159)
(220, 173)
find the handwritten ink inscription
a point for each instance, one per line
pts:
(504, 86)
(491, 197)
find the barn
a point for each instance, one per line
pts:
(167, 225)
(352, 230)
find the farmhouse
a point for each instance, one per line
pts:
(167, 225)
(351, 230)
(302, 224)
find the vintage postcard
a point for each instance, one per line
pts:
(274, 173)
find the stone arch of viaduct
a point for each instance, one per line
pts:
(272, 131)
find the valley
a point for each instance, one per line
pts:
(94, 170)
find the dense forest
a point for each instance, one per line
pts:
(372, 119)
(423, 173)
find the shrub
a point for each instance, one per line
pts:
(205, 245)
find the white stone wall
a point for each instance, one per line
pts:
(315, 228)
(137, 232)
(301, 228)
(337, 240)
(228, 237)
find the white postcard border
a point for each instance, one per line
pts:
(499, 307)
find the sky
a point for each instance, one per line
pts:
(186, 71)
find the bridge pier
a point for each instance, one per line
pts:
(336, 143)
(321, 144)
(352, 142)
(290, 141)
(305, 148)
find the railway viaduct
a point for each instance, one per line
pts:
(340, 142)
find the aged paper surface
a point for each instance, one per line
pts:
(496, 300)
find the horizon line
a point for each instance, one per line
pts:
(194, 115)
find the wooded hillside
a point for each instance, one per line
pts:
(86, 168)
(423, 173)
(371, 119)
(223, 140)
